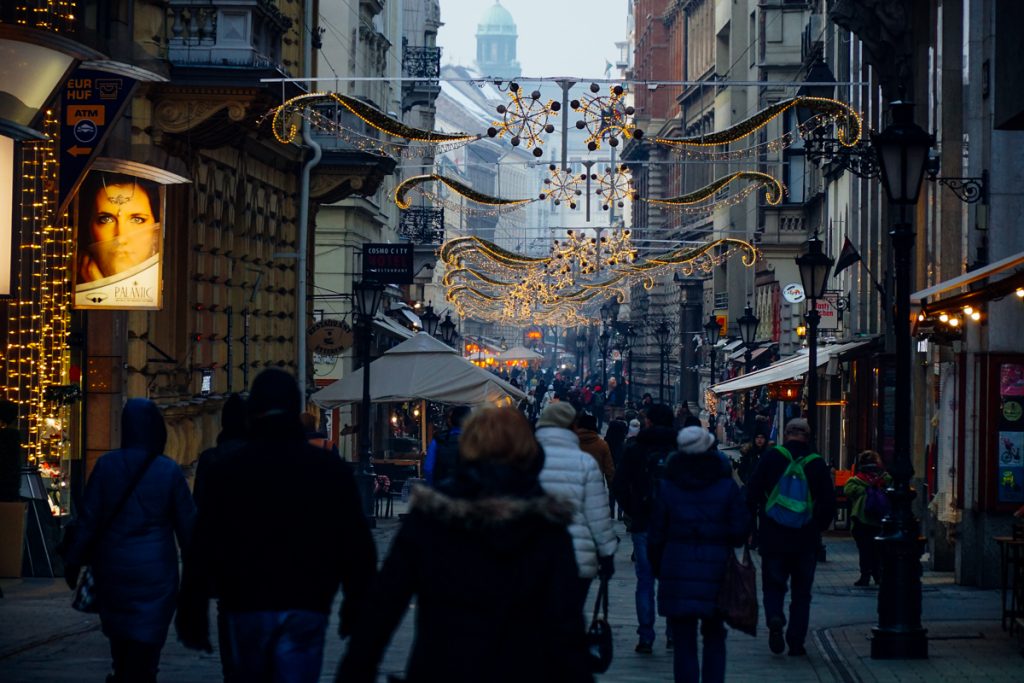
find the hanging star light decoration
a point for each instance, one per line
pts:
(826, 112)
(606, 118)
(614, 185)
(525, 119)
(562, 186)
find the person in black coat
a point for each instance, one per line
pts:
(133, 555)
(11, 456)
(699, 515)
(279, 528)
(633, 487)
(491, 565)
(787, 554)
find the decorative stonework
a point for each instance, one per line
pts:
(175, 115)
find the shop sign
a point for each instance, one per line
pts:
(329, 337)
(793, 293)
(91, 100)
(388, 263)
(828, 310)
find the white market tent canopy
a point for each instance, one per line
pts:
(518, 353)
(788, 368)
(421, 368)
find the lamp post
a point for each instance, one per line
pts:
(430, 320)
(367, 297)
(631, 336)
(581, 346)
(712, 331)
(902, 153)
(602, 345)
(661, 335)
(814, 265)
(447, 328)
(747, 324)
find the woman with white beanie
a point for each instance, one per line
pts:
(699, 516)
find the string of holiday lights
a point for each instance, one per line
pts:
(827, 112)
(285, 128)
(562, 186)
(615, 185)
(524, 119)
(455, 186)
(774, 192)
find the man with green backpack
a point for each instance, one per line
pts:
(791, 490)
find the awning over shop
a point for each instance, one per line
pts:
(787, 368)
(992, 290)
(754, 355)
(412, 318)
(389, 326)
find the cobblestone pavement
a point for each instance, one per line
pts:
(43, 639)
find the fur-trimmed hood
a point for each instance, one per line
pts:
(487, 512)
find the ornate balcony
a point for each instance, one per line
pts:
(422, 225)
(420, 62)
(226, 33)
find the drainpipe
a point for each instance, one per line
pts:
(303, 226)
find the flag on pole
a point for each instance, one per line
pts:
(847, 257)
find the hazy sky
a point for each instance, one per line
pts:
(556, 37)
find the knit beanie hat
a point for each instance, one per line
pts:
(557, 414)
(694, 440)
(634, 428)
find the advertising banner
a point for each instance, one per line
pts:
(388, 263)
(120, 219)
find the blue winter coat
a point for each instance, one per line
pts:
(135, 561)
(699, 516)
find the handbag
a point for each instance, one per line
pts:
(737, 598)
(84, 597)
(599, 635)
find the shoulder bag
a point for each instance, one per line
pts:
(737, 598)
(84, 598)
(599, 635)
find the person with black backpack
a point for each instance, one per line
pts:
(868, 505)
(792, 493)
(634, 487)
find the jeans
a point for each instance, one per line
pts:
(285, 646)
(685, 665)
(867, 549)
(134, 661)
(798, 569)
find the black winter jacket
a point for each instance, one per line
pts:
(775, 538)
(493, 577)
(632, 485)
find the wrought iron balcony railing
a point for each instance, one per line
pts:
(421, 62)
(422, 225)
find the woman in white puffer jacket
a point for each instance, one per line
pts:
(574, 475)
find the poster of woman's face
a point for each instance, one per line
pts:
(119, 238)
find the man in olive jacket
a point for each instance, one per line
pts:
(787, 554)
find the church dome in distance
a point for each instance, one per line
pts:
(496, 21)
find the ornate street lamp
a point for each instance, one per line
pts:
(447, 329)
(747, 323)
(661, 336)
(712, 332)
(602, 345)
(581, 347)
(814, 265)
(902, 153)
(367, 296)
(430, 320)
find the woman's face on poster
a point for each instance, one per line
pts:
(123, 229)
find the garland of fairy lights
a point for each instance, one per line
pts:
(695, 201)
(285, 127)
(35, 361)
(487, 282)
(849, 129)
(525, 119)
(402, 191)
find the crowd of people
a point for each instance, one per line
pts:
(499, 547)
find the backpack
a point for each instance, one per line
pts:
(876, 503)
(654, 471)
(790, 503)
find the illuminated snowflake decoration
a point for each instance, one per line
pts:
(562, 186)
(525, 119)
(614, 186)
(605, 117)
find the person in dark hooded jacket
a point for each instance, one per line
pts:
(488, 557)
(634, 488)
(699, 515)
(134, 560)
(273, 550)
